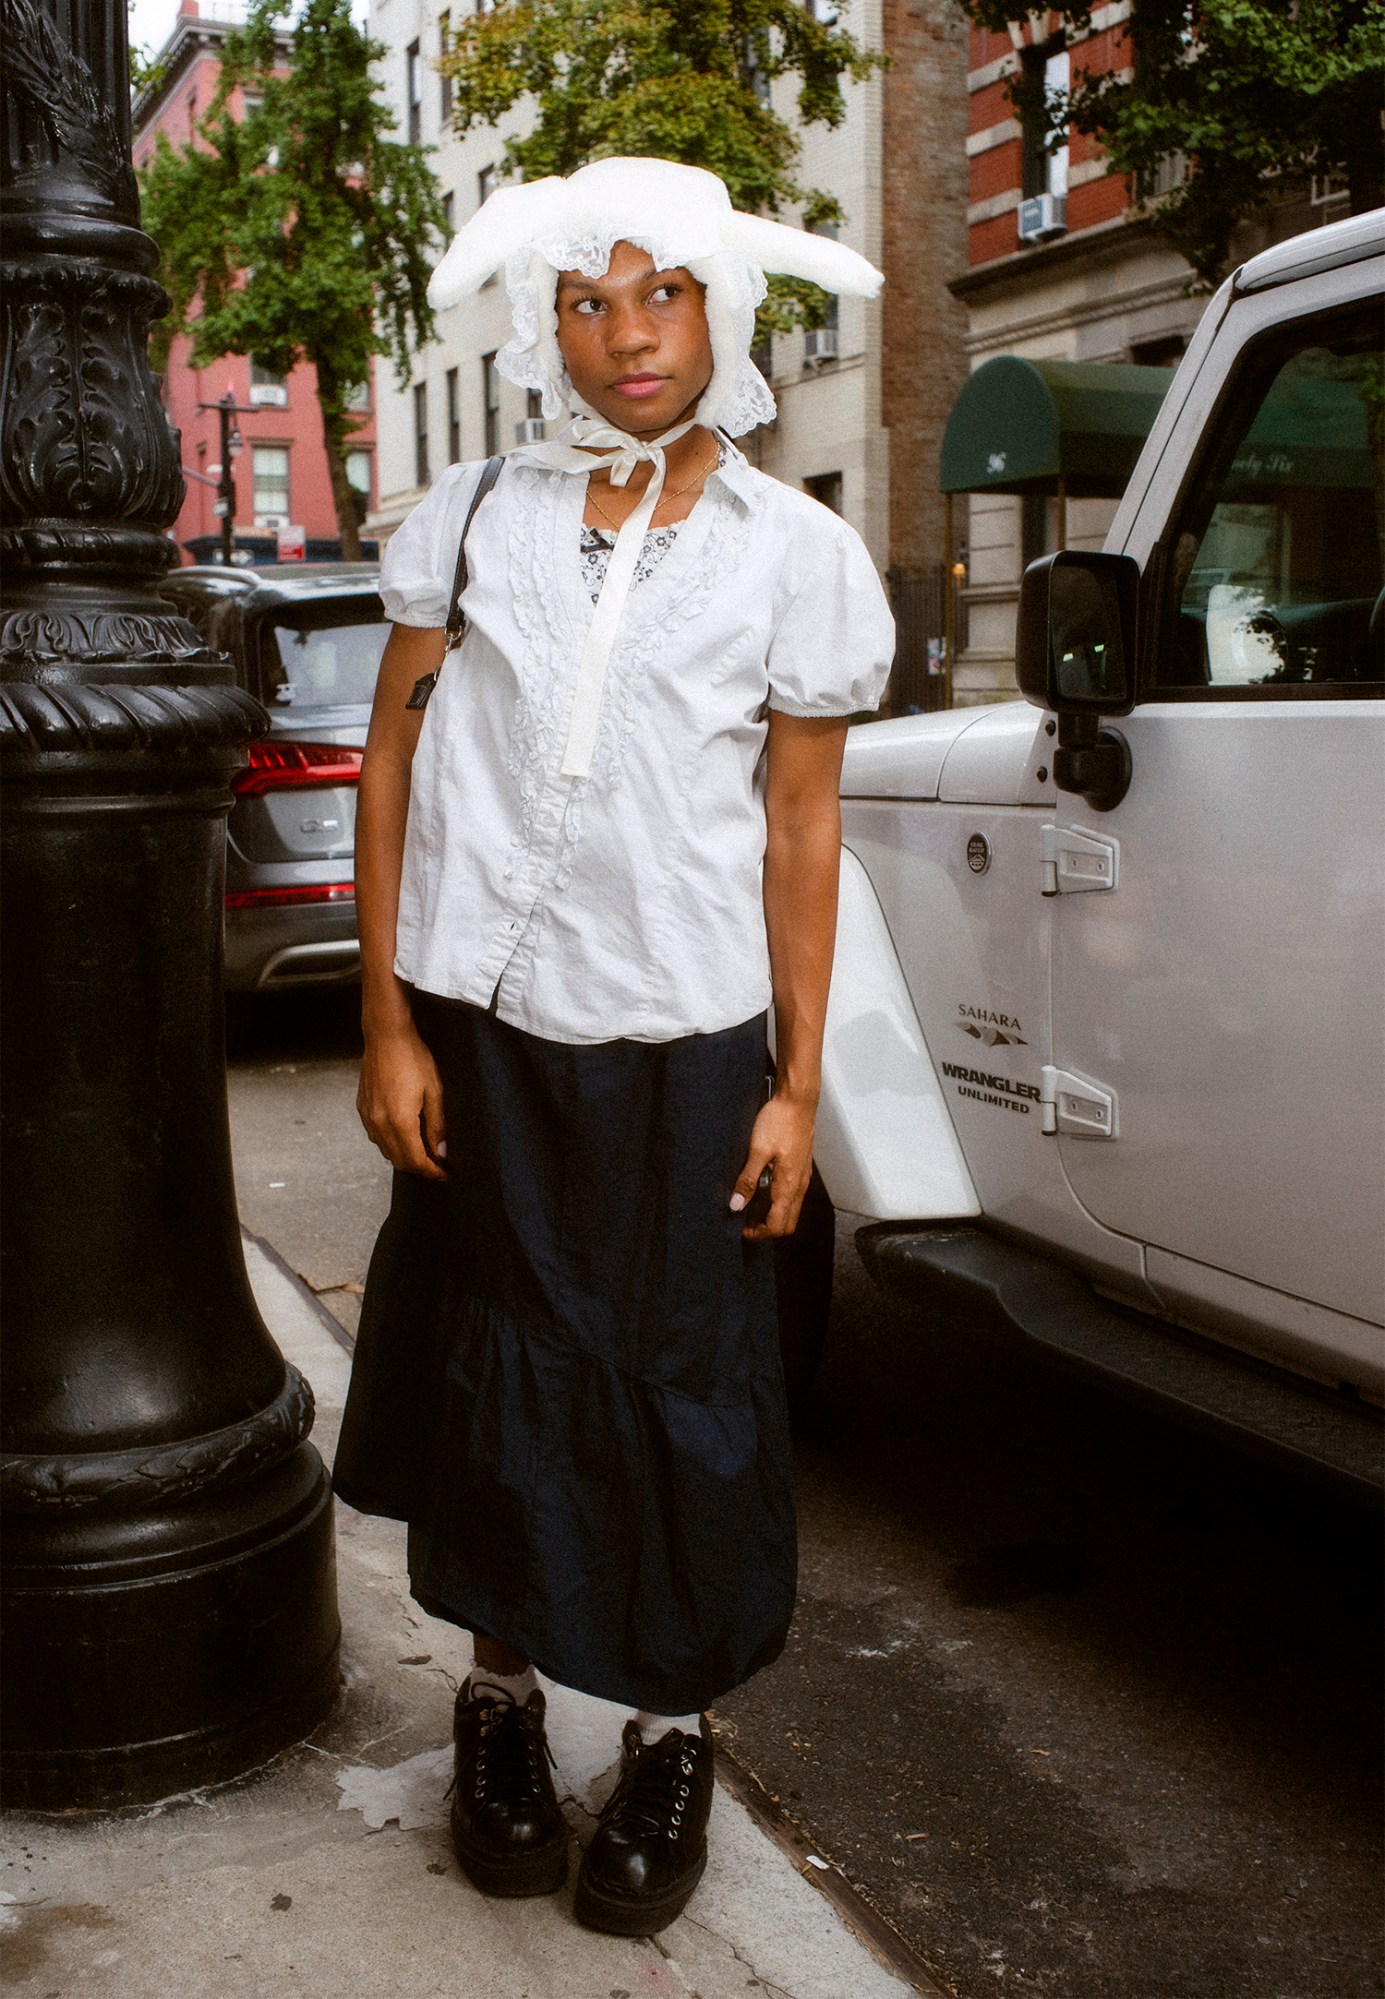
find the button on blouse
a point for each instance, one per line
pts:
(626, 904)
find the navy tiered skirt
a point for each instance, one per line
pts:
(567, 1379)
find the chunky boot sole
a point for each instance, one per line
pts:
(540, 1870)
(623, 1916)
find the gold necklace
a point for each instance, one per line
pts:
(676, 494)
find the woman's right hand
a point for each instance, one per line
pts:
(400, 1102)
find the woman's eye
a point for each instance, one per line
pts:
(587, 306)
(666, 292)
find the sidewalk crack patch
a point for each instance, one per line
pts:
(771, 1990)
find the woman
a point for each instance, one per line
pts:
(583, 870)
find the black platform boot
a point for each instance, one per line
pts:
(510, 1836)
(649, 1850)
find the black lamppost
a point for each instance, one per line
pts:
(169, 1600)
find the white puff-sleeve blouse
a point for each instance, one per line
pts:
(626, 904)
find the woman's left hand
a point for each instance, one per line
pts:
(782, 1141)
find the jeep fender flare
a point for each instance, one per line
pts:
(885, 1143)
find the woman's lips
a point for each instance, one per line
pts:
(636, 387)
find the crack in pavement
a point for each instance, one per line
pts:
(774, 1991)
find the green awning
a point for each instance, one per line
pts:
(1019, 426)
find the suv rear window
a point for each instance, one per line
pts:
(323, 656)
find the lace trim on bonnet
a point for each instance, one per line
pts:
(735, 287)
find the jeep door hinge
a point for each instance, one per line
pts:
(1074, 861)
(1072, 1105)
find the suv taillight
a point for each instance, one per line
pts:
(280, 766)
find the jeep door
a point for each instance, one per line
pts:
(1228, 993)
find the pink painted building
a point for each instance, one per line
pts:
(281, 470)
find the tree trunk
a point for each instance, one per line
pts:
(336, 428)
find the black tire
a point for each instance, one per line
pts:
(803, 1281)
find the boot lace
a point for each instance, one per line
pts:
(510, 1758)
(653, 1792)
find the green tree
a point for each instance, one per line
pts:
(301, 231)
(1258, 96)
(664, 79)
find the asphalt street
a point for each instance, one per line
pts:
(1084, 1706)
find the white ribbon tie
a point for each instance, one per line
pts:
(606, 445)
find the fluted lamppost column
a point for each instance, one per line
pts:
(169, 1600)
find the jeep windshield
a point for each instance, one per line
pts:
(322, 655)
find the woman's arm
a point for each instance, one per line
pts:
(803, 840)
(400, 1095)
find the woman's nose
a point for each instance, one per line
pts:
(630, 330)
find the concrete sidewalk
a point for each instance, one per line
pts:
(331, 1873)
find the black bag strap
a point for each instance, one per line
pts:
(456, 620)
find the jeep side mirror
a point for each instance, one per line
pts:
(1075, 654)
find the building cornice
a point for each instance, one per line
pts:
(1085, 248)
(193, 35)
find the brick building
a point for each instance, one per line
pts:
(1059, 269)
(1063, 266)
(281, 473)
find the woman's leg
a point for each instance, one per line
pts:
(494, 1656)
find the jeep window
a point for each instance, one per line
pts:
(1274, 582)
(322, 656)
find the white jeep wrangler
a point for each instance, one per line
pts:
(1106, 1043)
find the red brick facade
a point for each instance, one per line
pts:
(173, 107)
(996, 171)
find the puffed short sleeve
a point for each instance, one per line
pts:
(833, 642)
(420, 558)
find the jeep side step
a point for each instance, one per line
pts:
(1251, 1404)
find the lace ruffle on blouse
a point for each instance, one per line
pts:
(597, 544)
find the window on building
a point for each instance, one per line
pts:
(413, 92)
(533, 408)
(270, 470)
(445, 81)
(485, 188)
(490, 376)
(358, 471)
(454, 417)
(358, 399)
(485, 6)
(826, 488)
(420, 433)
(449, 215)
(1047, 72)
(266, 388)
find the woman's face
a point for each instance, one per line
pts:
(635, 341)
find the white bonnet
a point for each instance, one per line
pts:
(681, 216)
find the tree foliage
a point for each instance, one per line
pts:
(300, 231)
(1258, 96)
(663, 79)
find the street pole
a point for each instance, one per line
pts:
(227, 409)
(169, 1602)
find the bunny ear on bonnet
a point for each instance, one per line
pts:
(795, 253)
(510, 219)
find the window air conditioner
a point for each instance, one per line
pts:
(530, 430)
(275, 521)
(1042, 215)
(269, 395)
(820, 344)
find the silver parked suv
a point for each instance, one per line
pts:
(306, 640)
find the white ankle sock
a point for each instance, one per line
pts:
(654, 1727)
(516, 1687)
